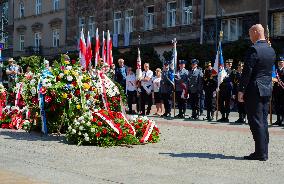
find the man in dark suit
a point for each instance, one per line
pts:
(256, 89)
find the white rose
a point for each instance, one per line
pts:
(69, 78)
(81, 128)
(89, 123)
(80, 118)
(79, 133)
(93, 130)
(69, 128)
(32, 82)
(87, 139)
(76, 123)
(69, 68)
(33, 90)
(61, 75)
(73, 131)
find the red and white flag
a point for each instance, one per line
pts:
(110, 57)
(97, 49)
(89, 52)
(83, 49)
(104, 48)
(138, 67)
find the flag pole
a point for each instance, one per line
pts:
(217, 95)
(174, 96)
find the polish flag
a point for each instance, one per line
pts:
(89, 52)
(107, 48)
(97, 49)
(83, 49)
(104, 48)
(110, 57)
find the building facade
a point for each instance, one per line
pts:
(6, 27)
(157, 22)
(39, 27)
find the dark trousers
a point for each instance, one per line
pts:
(194, 103)
(166, 97)
(146, 99)
(224, 105)
(210, 103)
(257, 112)
(131, 96)
(201, 103)
(181, 103)
(241, 108)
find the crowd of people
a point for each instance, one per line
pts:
(195, 88)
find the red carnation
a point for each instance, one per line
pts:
(104, 131)
(77, 92)
(113, 135)
(94, 120)
(100, 123)
(73, 61)
(47, 99)
(74, 83)
(98, 134)
(140, 121)
(62, 67)
(88, 96)
(137, 126)
(42, 90)
(69, 96)
(150, 138)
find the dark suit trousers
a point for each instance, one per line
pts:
(146, 99)
(181, 103)
(194, 103)
(131, 96)
(257, 112)
(166, 97)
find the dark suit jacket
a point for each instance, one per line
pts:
(257, 72)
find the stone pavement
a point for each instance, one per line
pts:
(189, 152)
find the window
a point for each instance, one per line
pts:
(149, 18)
(92, 26)
(171, 14)
(232, 29)
(22, 42)
(5, 10)
(282, 24)
(117, 23)
(55, 38)
(56, 5)
(81, 23)
(187, 12)
(22, 10)
(37, 40)
(129, 21)
(38, 7)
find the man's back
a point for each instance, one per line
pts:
(258, 69)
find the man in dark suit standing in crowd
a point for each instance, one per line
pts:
(256, 89)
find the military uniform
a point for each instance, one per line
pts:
(195, 79)
(210, 84)
(181, 84)
(278, 96)
(225, 94)
(236, 78)
(166, 90)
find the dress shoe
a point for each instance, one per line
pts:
(253, 156)
(221, 120)
(178, 116)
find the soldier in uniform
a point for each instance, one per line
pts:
(166, 88)
(181, 84)
(236, 77)
(278, 93)
(228, 67)
(210, 84)
(225, 94)
(195, 79)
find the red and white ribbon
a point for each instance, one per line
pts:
(18, 95)
(149, 130)
(127, 122)
(109, 122)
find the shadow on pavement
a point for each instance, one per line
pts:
(33, 136)
(202, 155)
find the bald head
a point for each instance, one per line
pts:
(256, 32)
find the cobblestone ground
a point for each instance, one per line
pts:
(189, 152)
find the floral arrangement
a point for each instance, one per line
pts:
(85, 105)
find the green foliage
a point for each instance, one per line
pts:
(32, 61)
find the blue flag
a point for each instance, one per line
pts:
(274, 75)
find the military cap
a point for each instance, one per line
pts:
(182, 62)
(167, 62)
(240, 63)
(229, 61)
(208, 63)
(281, 59)
(194, 61)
